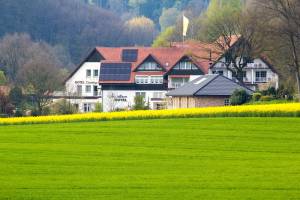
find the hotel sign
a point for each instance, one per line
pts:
(86, 82)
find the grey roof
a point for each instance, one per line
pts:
(209, 85)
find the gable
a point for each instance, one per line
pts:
(185, 66)
(150, 64)
(95, 56)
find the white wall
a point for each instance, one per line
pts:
(128, 95)
(80, 78)
(251, 69)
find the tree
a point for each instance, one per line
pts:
(40, 76)
(168, 18)
(139, 103)
(282, 19)
(237, 38)
(111, 102)
(2, 78)
(239, 97)
(165, 38)
(16, 49)
(16, 96)
(5, 106)
(98, 107)
(63, 107)
(71, 23)
(141, 30)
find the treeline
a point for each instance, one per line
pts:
(72, 24)
(152, 9)
(79, 25)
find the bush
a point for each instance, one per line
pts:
(266, 98)
(256, 96)
(16, 96)
(63, 107)
(98, 107)
(285, 93)
(139, 103)
(239, 97)
(271, 91)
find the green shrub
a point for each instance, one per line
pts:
(98, 107)
(267, 98)
(239, 97)
(256, 96)
(63, 107)
(2, 78)
(139, 103)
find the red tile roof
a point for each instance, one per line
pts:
(200, 53)
(167, 57)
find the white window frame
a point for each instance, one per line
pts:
(87, 107)
(260, 78)
(227, 102)
(88, 90)
(79, 91)
(94, 74)
(88, 73)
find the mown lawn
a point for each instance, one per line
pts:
(217, 158)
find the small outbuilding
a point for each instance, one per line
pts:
(205, 91)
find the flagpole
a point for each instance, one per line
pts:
(182, 28)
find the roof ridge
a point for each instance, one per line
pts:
(216, 75)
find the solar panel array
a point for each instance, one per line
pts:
(129, 55)
(115, 71)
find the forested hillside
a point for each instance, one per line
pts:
(71, 24)
(79, 25)
(153, 9)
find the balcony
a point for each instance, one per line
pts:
(261, 79)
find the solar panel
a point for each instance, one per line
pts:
(129, 55)
(115, 71)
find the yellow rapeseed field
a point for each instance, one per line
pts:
(270, 110)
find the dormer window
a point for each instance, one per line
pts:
(185, 65)
(150, 66)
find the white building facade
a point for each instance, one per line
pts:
(257, 75)
(113, 77)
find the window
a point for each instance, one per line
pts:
(88, 73)
(261, 76)
(95, 90)
(158, 95)
(88, 88)
(149, 80)
(143, 94)
(96, 72)
(141, 79)
(178, 82)
(185, 65)
(220, 72)
(156, 80)
(227, 102)
(79, 90)
(150, 66)
(87, 107)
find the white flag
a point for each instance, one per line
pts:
(186, 22)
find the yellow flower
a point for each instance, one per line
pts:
(271, 110)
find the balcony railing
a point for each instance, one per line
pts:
(260, 79)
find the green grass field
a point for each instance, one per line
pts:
(217, 158)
